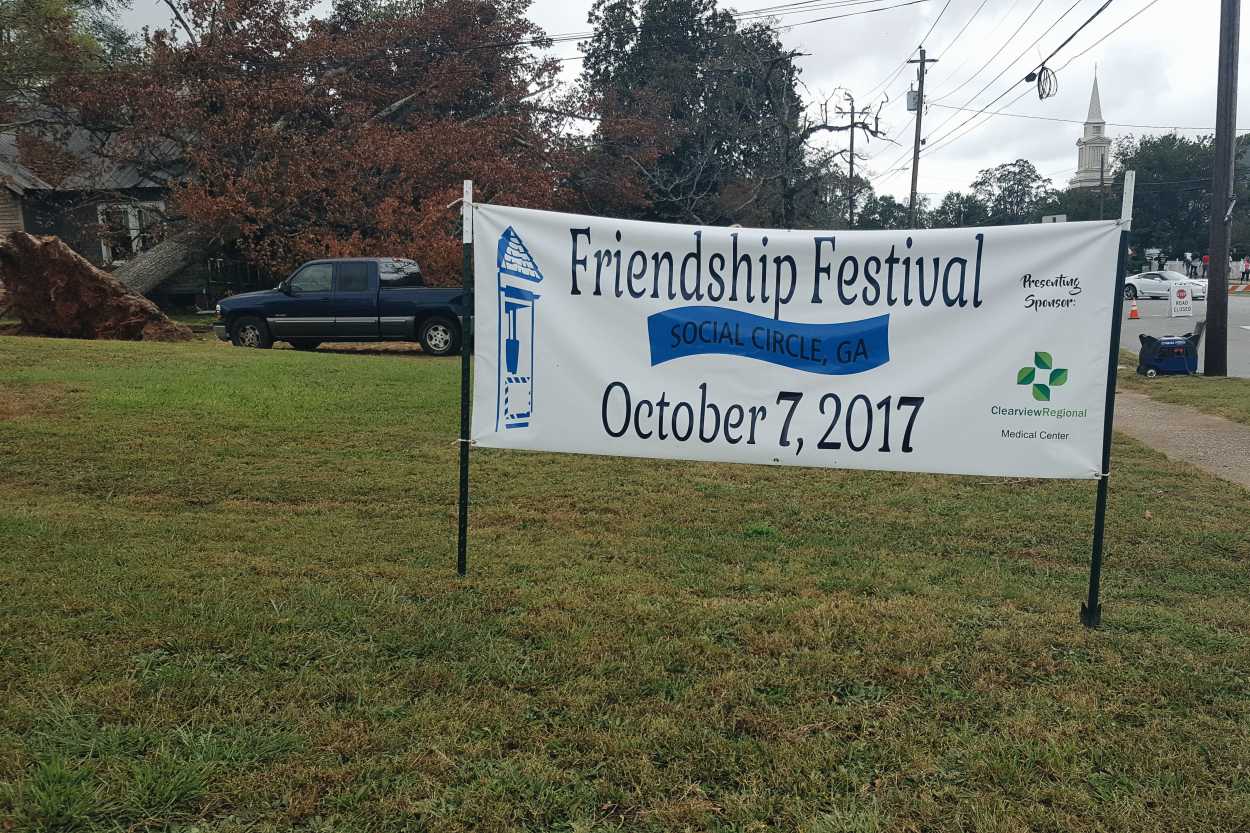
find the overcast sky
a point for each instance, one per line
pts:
(1159, 69)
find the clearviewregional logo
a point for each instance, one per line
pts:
(1043, 367)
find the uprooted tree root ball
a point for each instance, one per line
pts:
(54, 291)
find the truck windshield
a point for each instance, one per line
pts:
(398, 273)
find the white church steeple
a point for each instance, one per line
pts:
(1092, 147)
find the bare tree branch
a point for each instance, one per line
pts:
(182, 21)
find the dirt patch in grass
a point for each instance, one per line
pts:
(377, 348)
(26, 401)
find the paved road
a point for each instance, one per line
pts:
(1154, 321)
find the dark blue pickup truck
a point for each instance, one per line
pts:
(345, 299)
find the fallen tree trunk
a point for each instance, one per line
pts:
(160, 263)
(53, 291)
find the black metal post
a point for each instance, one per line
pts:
(1091, 609)
(466, 339)
(1216, 358)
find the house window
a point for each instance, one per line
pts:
(126, 229)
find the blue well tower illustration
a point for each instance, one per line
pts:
(518, 277)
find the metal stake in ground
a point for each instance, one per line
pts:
(1091, 608)
(466, 339)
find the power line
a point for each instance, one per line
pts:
(774, 28)
(988, 37)
(779, 10)
(882, 85)
(851, 14)
(1088, 21)
(794, 8)
(890, 79)
(903, 64)
(997, 52)
(962, 29)
(545, 41)
(935, 23)
(895, 164)
(1005, 92)
(1081, 121)
(1003, 71)
(1112, 32)
(947, 139)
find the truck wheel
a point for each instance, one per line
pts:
(249, 331)
(439, 336)
(305, 345)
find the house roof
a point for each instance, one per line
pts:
(98, 171)
(14, 175)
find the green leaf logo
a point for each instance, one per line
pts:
(1031, 376)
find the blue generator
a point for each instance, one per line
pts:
(1170, 355)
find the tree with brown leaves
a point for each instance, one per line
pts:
(292, 136)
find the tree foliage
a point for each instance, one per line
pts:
(883, 211)
(1013, 192)
(697, 119)
(40, 40)
(1172, 200)
(299, 136)
(959, 209)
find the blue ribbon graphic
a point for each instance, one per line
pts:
(831, 349)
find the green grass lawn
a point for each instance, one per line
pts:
(228, 602)
(1226, 397)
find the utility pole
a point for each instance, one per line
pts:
(1102, 183)
(850, 180)
(915, 152)
(1216, 363)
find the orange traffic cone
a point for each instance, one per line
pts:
(1132, 311)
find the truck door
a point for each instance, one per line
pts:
(355, 300)
(306, 310)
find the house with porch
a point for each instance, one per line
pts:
(107, 211)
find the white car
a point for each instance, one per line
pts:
(1159, 285)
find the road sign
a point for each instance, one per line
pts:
(1182, 304)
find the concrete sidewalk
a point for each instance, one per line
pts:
(1216, 445)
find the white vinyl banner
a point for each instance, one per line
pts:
(962, 351)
